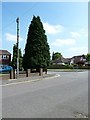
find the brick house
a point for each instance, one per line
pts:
(79, 60)
(75, 60)
(5, 57)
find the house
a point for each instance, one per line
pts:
(79, 60)
(75, 60)
(61, 61)
(87, 63)
(5, 57)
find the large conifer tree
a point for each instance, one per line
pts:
(37, 53)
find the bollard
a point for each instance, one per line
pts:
(28, 71)
(11, 74)
(45, 70)
(40, 72)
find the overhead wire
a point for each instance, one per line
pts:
(8, 25)
(29, 10)
(13, 21)
(10, 11)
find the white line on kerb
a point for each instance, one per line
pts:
(17, 83)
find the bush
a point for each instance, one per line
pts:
(67, 67)
(83, 67)
(60, 67)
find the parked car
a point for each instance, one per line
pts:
(5, 68)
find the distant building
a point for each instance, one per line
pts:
(61, 61)
(5, 57)
(87, 63)
(75, 60)
(79, 60)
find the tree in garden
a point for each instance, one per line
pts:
(88, 57)
(20, 59)
(14, 58)
(37, 53)
(56, 55)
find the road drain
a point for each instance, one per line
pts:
(80, 115)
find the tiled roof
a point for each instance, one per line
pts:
(79, 56)
(62, 59)
(5, 52)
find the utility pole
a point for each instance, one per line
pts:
(17, 20)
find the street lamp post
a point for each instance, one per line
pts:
(17, 20)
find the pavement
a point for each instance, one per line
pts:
(35, 77)
(32, 78)
(64, 96)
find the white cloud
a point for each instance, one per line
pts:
(11, 37)
(62, 42)
(53, 29)
(75, 35)
(79, 49)
(84, 32)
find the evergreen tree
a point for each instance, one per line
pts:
(20, 59)
(88, 57)
(53, 56)
(14, 59)
(37, 53)
(56, 55)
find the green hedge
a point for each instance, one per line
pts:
(60, 67)
(83, 67)
(67, 67)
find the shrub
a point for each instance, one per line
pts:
(68, 67)
(60, 66)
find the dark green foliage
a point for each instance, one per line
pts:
(20, 59)
(14, 59)
(67, 67)
(56, 55)
(60, 67)
(37, 49)
(88, 57)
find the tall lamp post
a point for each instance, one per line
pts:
(17, 20)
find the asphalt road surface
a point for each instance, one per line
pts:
(65, 96)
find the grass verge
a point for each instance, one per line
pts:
(66, 70)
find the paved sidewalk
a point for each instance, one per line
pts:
(31, 78)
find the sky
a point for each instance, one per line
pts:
(65, 23)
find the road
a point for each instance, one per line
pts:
(65, 96)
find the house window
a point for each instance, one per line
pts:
(4, 57)
(81, 59)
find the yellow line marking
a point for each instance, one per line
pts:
(17, 83)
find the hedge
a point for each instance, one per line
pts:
(67, 67)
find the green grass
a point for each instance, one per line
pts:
(67, 70)
(2, 74)
(61, 69)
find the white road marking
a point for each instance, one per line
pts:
(12, 79)
(17, 83)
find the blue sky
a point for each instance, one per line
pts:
(65, 23)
